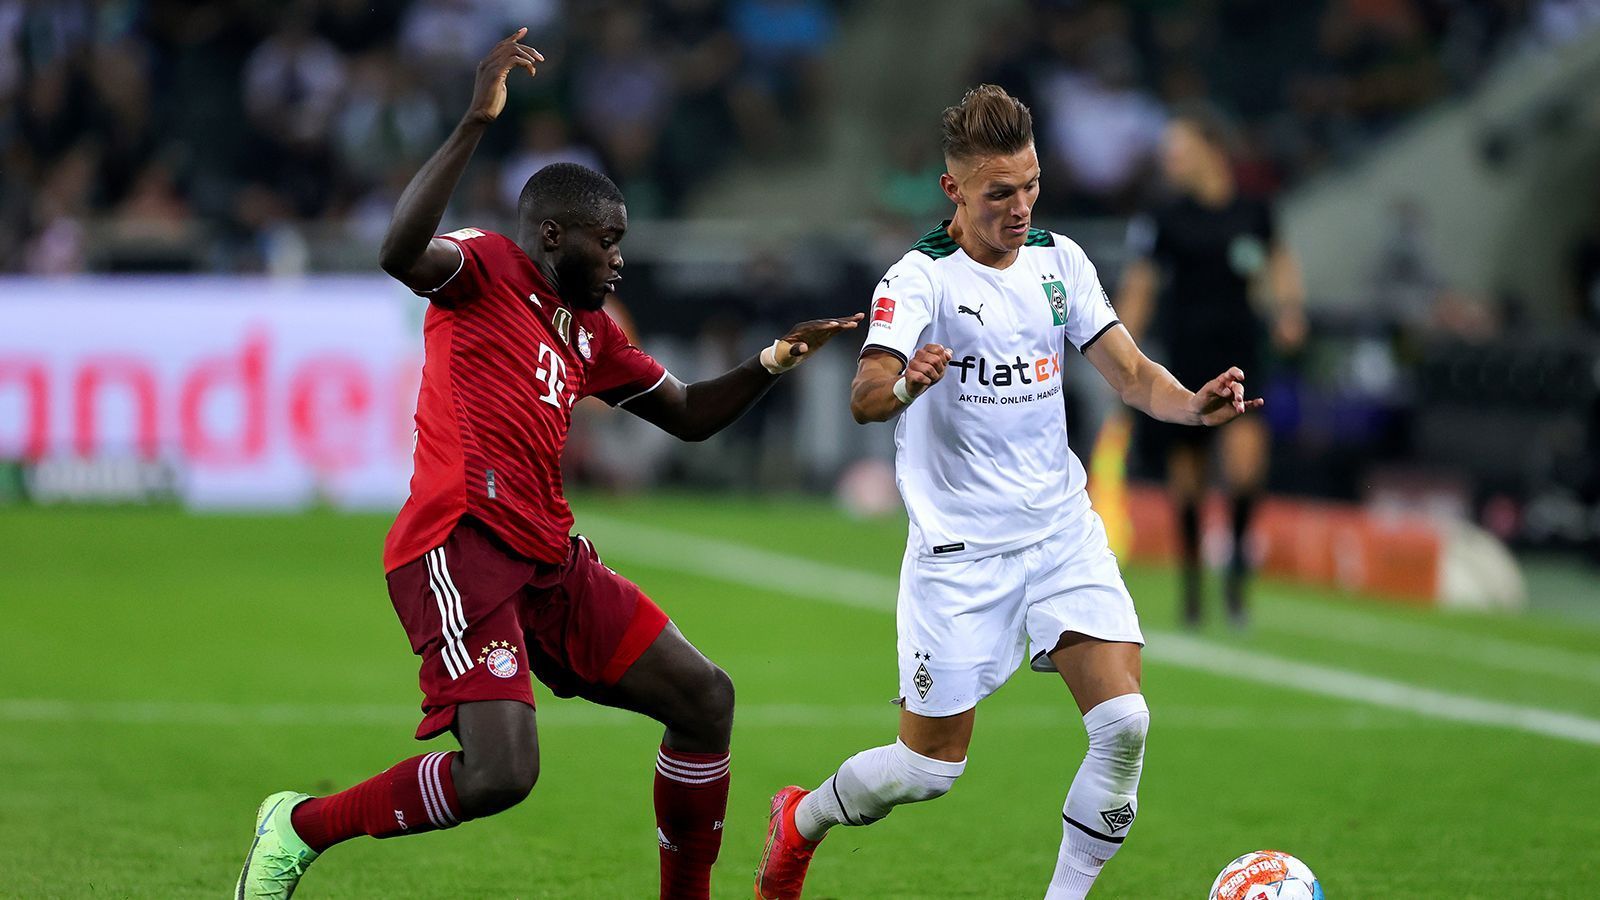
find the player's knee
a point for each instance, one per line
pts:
(1117, 731)
(923, 777)
(927, 786)
(507, 784)
(489, 786)
(713, 706)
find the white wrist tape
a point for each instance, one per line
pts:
(769, 360)
(902, 391)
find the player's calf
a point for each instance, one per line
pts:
(676, 685)
(414, 796)
(871, 784)
(1103, 800)
(692, 780)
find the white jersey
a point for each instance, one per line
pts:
(981, 458)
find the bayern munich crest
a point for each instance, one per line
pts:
(583, 341)
(500, 658)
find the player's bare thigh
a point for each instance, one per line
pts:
(1245, 443)
(1186, 472)
(1096, 670)
(942, 737)
(675, 684)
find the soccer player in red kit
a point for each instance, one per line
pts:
(482, 568)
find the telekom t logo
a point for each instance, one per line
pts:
(553, 372)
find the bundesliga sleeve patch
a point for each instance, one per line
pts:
(883, 310)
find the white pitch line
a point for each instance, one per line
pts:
(764, 570)
(577, 714)
(796, 576)
(1353, 627)
(1207, 656)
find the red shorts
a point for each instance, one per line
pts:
(483, 618)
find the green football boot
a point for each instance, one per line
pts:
(277, 856)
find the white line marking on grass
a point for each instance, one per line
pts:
(1351, 627)
(201, 712)
(799, 576)
(1217, 659)
(741, 564)
(577, 714)
(781, 573)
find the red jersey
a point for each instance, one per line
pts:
(504, 363)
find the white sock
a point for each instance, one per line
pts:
(872, 783)
(1103, 800)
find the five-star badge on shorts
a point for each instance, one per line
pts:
(500, 658)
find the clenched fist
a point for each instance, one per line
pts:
(926, 368)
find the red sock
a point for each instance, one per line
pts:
(691, 800)
(415, 796)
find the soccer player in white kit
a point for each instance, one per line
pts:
(1005, 560)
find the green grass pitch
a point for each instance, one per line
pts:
(160, 673)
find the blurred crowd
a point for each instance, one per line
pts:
(1307, 84)
(249, 123)
(254, 135)
(250, 119)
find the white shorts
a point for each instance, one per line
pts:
(966, 625)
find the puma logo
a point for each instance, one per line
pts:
(975, 313)
(889, 279)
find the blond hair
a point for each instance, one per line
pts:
(987, 122)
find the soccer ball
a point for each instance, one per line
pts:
(1266, 875)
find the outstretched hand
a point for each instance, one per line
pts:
(489, 93)
(808, 337)
(1222, 399)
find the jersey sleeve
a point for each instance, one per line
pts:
(902, 309)
(621, 370)
(479, 255)
(1089, 311)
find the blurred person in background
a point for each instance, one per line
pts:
(1407, 281)
(623, 94)
(546, 139)
(1104, 127)
(781, 83)
(1202, 255)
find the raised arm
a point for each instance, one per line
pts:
(694, 412)
(410, 251)
(1150, 388)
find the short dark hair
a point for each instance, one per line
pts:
(987, 122)
(568, 194)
